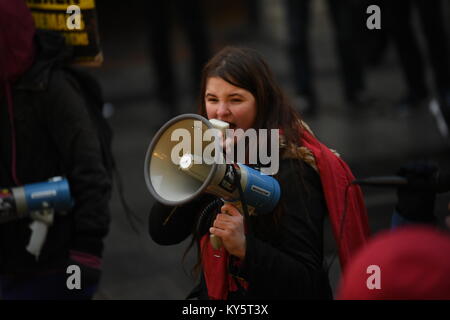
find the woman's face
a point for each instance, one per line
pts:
(229, 103)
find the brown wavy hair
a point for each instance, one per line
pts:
(246, 68)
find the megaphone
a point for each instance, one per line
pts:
(38, 201)
(175, 175)
(23, 201)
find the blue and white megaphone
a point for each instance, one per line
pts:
(180, 180)
(38, 201)
(21, 202)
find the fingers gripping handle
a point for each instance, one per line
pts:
(216, 241)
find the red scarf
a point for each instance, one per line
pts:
(336, 177)
(215, 269)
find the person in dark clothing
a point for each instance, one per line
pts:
(46, 131)
(291, 251)
(282, 258)
(344, 16)
(416, 200)
(160, 25)
(399, 23)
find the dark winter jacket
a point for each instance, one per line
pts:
(284, 260)
(55, 137)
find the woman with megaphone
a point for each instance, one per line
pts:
(266, 256)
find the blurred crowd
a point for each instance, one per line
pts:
(418, 32)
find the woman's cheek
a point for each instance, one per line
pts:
(209, 112)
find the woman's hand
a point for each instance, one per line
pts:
(229, 226)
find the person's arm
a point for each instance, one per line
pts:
(171, 225)
(291, 267)
(415, 201)
(75, 137)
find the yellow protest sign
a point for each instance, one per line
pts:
(76, 20)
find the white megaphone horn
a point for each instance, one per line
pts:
(177, 172)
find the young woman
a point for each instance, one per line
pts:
(282, 256)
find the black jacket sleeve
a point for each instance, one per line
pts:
(171, 225)
(74, 135)
(289, 266)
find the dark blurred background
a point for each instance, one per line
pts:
(348, 82)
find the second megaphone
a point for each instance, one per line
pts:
(180, 180)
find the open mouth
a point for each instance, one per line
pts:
(232, 125)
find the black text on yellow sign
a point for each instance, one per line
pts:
(75, 20)
(56, 21)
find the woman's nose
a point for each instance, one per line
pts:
(223, 110)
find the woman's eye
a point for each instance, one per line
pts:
(211, 100)
(236, 100)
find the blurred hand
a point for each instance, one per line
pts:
(229, 226)
(416, 199)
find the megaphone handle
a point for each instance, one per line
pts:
(216, 242)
